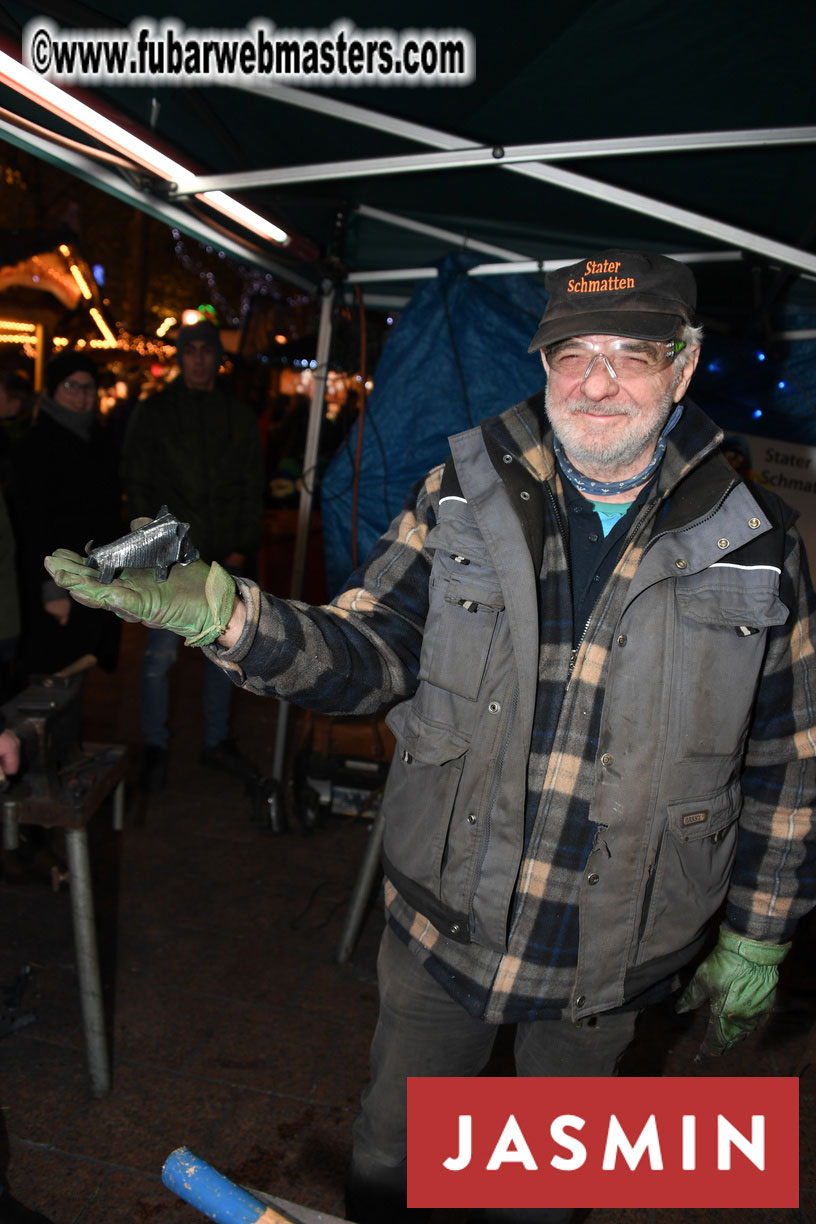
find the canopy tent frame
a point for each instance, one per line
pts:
(461, 241)
(532, 161)
(521, 159)
(480, 156)
(147, 201)
(556, 176)
(522, 267)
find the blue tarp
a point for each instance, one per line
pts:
(457, 354)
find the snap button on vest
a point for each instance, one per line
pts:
(454, 928)
(471, 818)
(580, 1001)
(622, 640)
(754, 523)
(507, 458)
(723, 543)
(681, 564)
(524, 495)
(494, 707)
(607, 758)
(593, 878)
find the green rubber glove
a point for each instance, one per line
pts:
(196, 601)
(739, 981)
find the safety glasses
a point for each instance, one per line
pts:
(622, 358)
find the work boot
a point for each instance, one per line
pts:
(226, 757)
(154, 768)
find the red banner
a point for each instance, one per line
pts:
(596, 1142)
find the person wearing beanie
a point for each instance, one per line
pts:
(199, 340)
(67, 436)
(196, 449)
(60, 371)
(595, 642)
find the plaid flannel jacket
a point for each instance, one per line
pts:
(365, 652)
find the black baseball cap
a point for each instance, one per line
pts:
(618, 293)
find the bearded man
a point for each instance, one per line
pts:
(596, 642)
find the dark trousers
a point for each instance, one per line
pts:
(422, 1031)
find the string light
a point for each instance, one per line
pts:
(5, 324)
(225, 309)
(107, 335)
(81, 281)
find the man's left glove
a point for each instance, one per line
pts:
(196, 600)
(739, 980)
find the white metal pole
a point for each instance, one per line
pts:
(307, 495)
(486, 155)
(661, 211)
(463, 241)
(523, 267)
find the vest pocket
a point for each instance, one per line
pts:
(690, 877)
(420, 796)
(465, 606)
(723, 614)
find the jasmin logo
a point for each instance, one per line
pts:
(640, 1142)
(512, 1146)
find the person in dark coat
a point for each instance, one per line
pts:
(68, 435)
(195, 448)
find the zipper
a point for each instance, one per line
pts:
(639, 522)
(697, 522)
(574, 656)
(635, 527)
(565, 542)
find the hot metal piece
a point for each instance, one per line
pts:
(160, 543)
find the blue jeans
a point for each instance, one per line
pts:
(422, 1031)
(160, 653)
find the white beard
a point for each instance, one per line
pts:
(606, 454)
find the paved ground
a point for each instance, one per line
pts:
(233, 1030)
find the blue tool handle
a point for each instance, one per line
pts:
(214, 1195)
